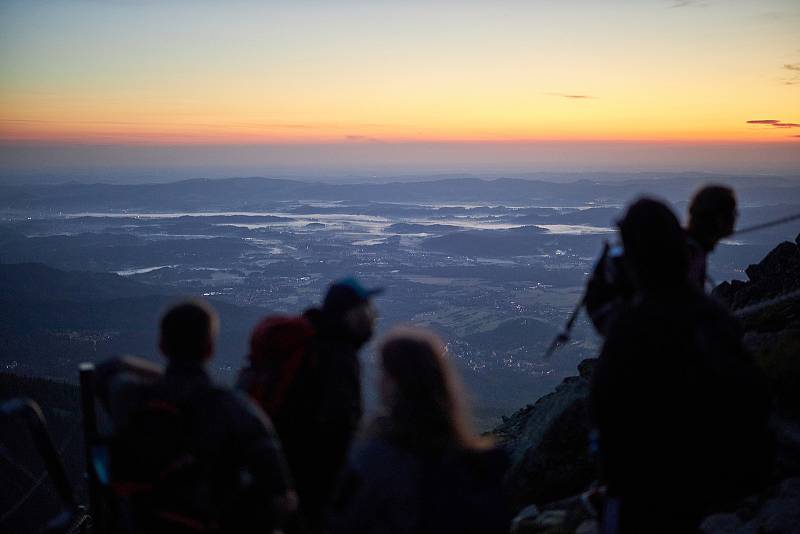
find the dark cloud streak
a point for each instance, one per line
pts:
(572, 96)
(775, 123)
(362, 139)
(793, 77)
(687, 3)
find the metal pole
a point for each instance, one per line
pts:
(769, 224)
(74, 518)
(90, 438)
(37, 426)
(564, 335)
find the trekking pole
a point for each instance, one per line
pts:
(565, 334)
(90, 437)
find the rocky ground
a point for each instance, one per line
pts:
(550, 441)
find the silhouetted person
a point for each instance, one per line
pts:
(680, 408)
(421, 469)
(284, 377)
(712, 217)
(306, 374)
(342, 326)
(187, 455)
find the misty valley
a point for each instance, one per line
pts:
(494, 266)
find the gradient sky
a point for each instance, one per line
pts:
(167, 73)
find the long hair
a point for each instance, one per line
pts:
(426, 409)
(655, 245)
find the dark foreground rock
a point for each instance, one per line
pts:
(769, 306)
(777, 274)
(776, 511)
(549, 442)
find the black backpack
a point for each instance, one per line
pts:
(157, 480)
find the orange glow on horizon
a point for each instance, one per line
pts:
(199, 140)
(180, 73)
(188, 135)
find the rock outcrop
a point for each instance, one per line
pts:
(776, 511)
(769, 307)
(549, 441)
(777, 274)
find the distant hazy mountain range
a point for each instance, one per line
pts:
(249, 194)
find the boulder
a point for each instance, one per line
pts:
(776, 512)
(549, 443)
(777, 274)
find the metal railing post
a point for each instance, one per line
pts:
(90, 439)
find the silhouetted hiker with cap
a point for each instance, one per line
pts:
(342, 326)
(712, 216)
(680, 408)
(186, 455)
(305, 373)
(420, 468)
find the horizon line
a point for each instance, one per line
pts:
(788, 139)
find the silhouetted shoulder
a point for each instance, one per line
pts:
(238, 411)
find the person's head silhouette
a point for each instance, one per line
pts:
(655, 245)
(188, 332)
(351, 303)
(712, 215)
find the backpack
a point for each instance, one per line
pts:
(157, 481)
(283, 374)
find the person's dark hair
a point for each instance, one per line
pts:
(711, 201)
(427, 408)
(655, 244)
(712, 214)
(188, 330)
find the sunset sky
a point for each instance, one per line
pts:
(171, 73)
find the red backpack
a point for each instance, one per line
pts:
(282, 359)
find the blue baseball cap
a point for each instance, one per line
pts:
(348, 293)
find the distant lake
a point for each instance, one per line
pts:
(576, 229)
(351, 222)
(143, 270)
